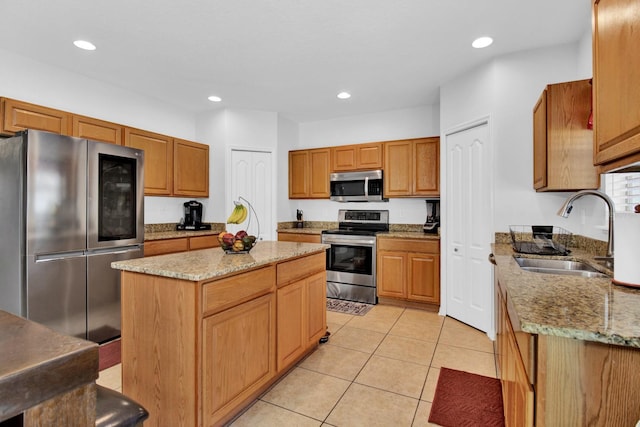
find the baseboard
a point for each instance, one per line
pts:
(109, 354)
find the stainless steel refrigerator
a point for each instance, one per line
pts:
(68, 208)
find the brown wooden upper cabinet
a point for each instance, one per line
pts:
(616, 77)
(309, 173)
(562, 143)
(158, 160)
(411, 167)
(18, 115)
(96, 130)
(357, 157)
(190, 169)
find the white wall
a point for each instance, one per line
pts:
(387, 125)
(506, 89)
(31, 81)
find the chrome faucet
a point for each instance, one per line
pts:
(565, 210)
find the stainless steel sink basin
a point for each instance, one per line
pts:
(558, 266)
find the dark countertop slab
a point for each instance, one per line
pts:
(37, 364)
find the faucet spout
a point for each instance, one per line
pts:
(565, 210)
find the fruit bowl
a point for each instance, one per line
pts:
(241, 243)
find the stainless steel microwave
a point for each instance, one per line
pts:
(362, 186)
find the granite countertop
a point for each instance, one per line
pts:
(589, 309)
(211, 263)
(176, 234)
(38, 364)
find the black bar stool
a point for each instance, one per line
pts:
(114, 409)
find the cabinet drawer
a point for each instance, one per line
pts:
(167, 246)
(224, 293)
(302, 237)
(301, 268)
(203, 242)
(409, 245)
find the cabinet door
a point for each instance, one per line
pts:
(190, 169)
(97, 130)
(18, 115)
(292, 324)
(398, 174)
(319, 164)
(392, 274)
(369, 156)
(424, 278)
(238, 355)
(540, 142)
(616, 78)
(298, 174)
(158, 160)
(316, 307)
(426, 170)
(343, 158)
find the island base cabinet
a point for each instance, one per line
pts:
(301, 318)
(584, 383)
(238, 356)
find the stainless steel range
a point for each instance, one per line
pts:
(351, 259)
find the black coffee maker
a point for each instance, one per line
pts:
(193, 217)
(433, 216)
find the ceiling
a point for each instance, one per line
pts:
(288, 56)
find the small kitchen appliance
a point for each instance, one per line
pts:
(433, 216)
(351, 258)
(193, 217)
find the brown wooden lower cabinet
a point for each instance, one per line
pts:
(409, 269)
(556, 381)
(197, 353)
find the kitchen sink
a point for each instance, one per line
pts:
(558, 266)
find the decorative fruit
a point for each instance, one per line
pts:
(228, 239)
(238, 246)
(221, 235)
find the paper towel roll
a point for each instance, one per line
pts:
(626, 251)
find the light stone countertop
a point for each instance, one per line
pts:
(589, 309)
(211, 263)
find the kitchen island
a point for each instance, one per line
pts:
(568, 347)
(204, 332)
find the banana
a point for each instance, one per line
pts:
(243, 215)
(238, 215)
(233, 218)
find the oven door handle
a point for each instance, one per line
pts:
(354, 242)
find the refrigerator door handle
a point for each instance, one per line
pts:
(121, 250)
(58, 257)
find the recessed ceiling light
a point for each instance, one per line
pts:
(83, 44)
(214, 98)
(481, 42)
(344, 95)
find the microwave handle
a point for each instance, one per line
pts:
(366, 186)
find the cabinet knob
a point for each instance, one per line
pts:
(455, 250)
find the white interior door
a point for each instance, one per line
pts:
(468, 233)
(251, 178)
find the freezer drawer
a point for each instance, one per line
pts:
(103, 292)
(56, 292)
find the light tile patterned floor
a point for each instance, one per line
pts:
(379, 369)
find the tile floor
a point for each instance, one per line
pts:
(379, 369)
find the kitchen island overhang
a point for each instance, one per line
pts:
(204, 333)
